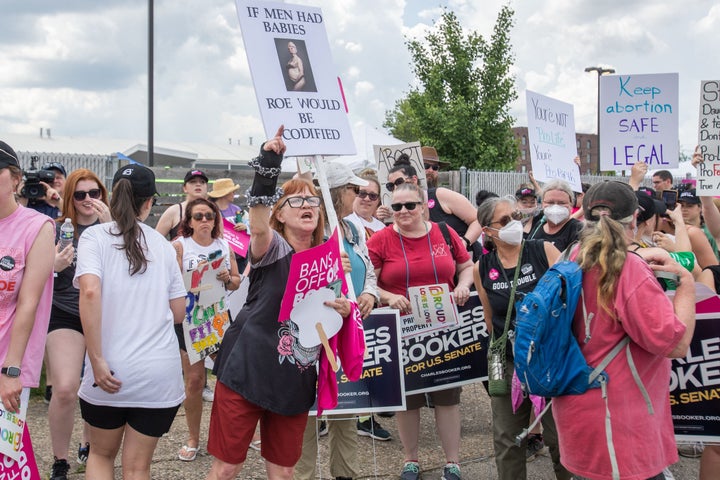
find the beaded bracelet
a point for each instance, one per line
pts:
(267, 172)
(266, 200)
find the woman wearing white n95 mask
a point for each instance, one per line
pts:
(554, 224)
(494, 274)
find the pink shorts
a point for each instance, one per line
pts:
(232, 426)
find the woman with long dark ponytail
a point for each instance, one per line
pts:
(131, 293)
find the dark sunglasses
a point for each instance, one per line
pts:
(408, 205)
(504, 220)
(207, 215)
(372, 196)
(354, 188)
(433, 166)
(155, 200)
(297, 202)
(391, 185)
(80, 195)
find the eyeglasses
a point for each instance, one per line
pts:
(505, 219)
(80, 195)
(408, 205)
(354, 188)
(155, 200)
(372, 196)
(207, 215)
(391, 185)
(297, 202)
(432, 166)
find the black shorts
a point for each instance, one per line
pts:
(61, 319)
(153, 422)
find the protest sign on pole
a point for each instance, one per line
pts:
(551, 134)
(295, 80)
(386, 155)
(639, 121)
(708, 172)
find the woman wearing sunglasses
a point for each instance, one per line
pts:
(413, 252)
(85, 205)
(200, 241)
(509, 259)
(264, 374)
(366, 205)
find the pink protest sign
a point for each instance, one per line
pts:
(311, 270)
(25, 466)
(238, 241)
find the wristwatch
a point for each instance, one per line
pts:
(12, 372)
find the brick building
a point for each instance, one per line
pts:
(587, 148)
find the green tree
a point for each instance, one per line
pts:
(462, 103)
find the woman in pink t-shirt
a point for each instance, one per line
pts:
(620, 289)
(26, 258)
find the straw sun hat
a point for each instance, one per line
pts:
(222, 186)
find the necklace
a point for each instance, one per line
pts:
(407, 264)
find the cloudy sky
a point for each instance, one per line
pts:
(79, 67)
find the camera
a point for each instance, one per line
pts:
(32, 188)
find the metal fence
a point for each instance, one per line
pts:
(103, 166)
(469, 182)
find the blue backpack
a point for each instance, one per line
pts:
(548, 360)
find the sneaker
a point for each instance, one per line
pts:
(372, 428)
(323, 430)
(48, 394)
(83, 453)
(410, 471)
(535, 447)
(208, 395)
(451, 472)
(691, 450)
(59, 469)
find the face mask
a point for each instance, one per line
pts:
(528, 214)
(512, 233)
(556, 214)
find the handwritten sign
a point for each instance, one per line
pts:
(386, 155)
(433, 308)
(708, 172)
(238, 241)
(296, 83)
(12, 427)
(206, 310)
(312, 270)
(551, 133)
(24, 466)
(639, 121)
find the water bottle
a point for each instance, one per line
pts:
(67, 234)
(238, 217)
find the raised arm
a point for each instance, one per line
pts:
(264, 193)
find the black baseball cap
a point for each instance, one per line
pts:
(141, 178)
(55, 166)
(618, 197)
(8, 157)
(649, 207)
(689, 196)
(195, 173)
(525, 192)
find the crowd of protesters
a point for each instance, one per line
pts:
(119, 277)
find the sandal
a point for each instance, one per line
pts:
(187, 454)
(255, 445)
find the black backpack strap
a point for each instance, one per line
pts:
(446, 235)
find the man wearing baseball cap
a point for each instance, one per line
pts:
(50, 203)
(195, 185)
(445, 205)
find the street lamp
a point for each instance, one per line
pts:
(600, 72)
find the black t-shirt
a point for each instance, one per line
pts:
(497, 280)
(261, 358)
(65, 296)
(569, 233)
